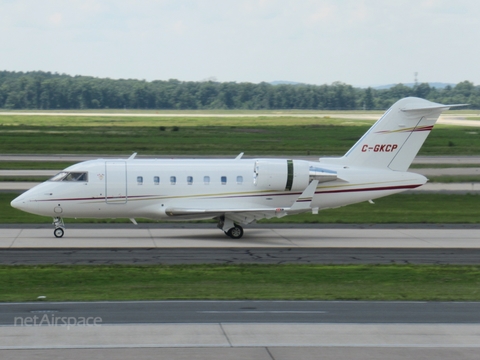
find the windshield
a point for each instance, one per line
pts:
(70, 176)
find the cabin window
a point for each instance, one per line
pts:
(70, 176)
(189, 180)
(239, 180)
(224, 180)
(156, 180)
(206, 180)
(140, 180)
(173, 180)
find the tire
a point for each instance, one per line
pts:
(58, 232)
(235, 232)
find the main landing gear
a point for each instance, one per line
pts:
(59, 227)
(236, 232)
(231, 229)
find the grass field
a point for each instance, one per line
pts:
(205, 136)
(401, 208)
(235, 282)
(180, 139)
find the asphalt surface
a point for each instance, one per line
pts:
(175, 256)
(153, 312)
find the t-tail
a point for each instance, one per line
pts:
(395, 139)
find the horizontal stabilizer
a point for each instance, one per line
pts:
(432, 107)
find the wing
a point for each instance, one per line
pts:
(248, 215)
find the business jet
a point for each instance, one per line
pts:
(240, 191)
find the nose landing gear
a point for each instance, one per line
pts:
(58, 232)
(59, 227)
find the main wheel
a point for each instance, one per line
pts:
(58, 232)
(235, 232)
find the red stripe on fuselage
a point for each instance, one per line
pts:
(382, 188)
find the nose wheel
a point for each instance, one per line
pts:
(59, 227)
(58, 232)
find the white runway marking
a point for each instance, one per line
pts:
(261, 312)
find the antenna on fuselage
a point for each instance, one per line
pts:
(132, 156)
(239, 156)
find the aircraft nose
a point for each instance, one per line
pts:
(15, 203)
(19, 203)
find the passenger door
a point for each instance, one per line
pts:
(115, 182)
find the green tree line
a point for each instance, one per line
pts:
(50, 91)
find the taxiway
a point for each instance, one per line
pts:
(260, 236)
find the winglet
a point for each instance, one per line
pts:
(305, 199)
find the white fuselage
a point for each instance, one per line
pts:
(134, 188)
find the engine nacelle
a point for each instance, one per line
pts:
(288, 175)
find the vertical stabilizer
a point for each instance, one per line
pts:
(395, 139)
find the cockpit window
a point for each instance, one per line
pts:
(70, 176)
(76, 176)
(59, 176)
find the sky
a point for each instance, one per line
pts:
(358, 42)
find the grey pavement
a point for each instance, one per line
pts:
(329, 330)
(235, 335)
(258, 237)
(240, 311)
(285, 255)
(254, 353)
